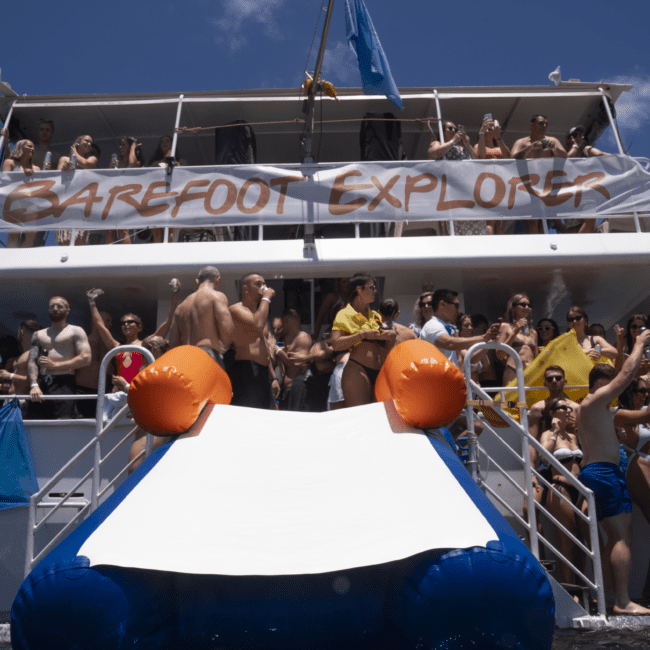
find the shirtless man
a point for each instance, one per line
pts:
(537, 144)
(251, 374)
(87, 378)
(600, 471)
(203, 318)
(18, 377)
(296, 342)
(45, 133)
(54, 355)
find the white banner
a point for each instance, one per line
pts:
(372, 191)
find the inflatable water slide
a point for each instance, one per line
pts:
(356, 528)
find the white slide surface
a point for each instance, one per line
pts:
(280, 493)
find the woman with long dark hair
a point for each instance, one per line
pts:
(358, 328)
(593, 346)
(547, 330)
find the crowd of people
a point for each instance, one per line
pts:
(278, 365)
(84, 154)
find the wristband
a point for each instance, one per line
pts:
(553, 438)
(35, 385)
(575, 146)
(275, 379)
(11, 376)
(267, 300)
(91, 302)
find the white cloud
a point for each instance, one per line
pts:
(633, 107)
(235, 17)
(632, 113)
(340, 65)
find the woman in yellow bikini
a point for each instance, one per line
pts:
(359, 329)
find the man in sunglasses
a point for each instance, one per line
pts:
(440, 330)
(600, 471)
(554, 382)
(55, 353)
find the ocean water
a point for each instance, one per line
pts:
(634, 637)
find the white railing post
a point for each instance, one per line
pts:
(617, 136)
(521, 398)
(99, 414)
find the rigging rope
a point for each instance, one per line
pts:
(299, 120)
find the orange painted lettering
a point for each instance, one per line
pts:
(186, 195)
(451, 205)
(411, 187)
(283, 182)
(263, 199)
(550, 187)
(339, 188)
(33, 190)
(590, 181)
(499, 190)
(384, 193)
(146, 210)
(123, 193)
(90, 192)
(231, 196)
(527, 182)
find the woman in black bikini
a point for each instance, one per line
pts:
(358, 328)
(563, 444)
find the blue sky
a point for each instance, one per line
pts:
(83, 46)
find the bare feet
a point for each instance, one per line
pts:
(632, 609)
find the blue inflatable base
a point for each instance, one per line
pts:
(495, 597)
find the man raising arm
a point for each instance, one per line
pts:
(600, 471)
(251, 373)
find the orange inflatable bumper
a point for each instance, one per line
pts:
(168, 395)
(428, 390)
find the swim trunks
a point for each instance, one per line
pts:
(609, 488)
(251, 384)
(87, 408)
(216, 356)
(54, 409)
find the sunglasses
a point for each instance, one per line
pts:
(553, 378)
(643, 391)
(635, 327)
(568, 409)
(425, 304)
(544, 329)
(522, 304)
(130, 322)
(455, 304)
(571, 319)
(451, 128)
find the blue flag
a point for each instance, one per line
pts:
(364, 42)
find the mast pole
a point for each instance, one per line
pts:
(313, 89)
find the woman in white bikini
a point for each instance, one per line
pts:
(559, 438)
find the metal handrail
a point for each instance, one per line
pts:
(101, 432)
(528, 441)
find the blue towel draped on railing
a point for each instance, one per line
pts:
(17, 475)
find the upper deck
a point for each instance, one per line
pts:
(262, 212)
